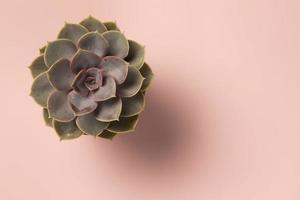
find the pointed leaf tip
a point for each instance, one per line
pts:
(41, 89)
(38, 66)
(148, 74)
(94, 42)
(118, 44)
(66, 130)
(89, 125)
(93, 24)
(132, 84)
(125, 125)
(136, 54)
(133, 105)
(72, 32)
(58, 49)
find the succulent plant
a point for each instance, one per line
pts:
(91, 80)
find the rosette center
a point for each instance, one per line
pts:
(88, 80)
(93, 79)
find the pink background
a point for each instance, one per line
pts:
(222, 116)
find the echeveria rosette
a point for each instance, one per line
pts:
(91, 80)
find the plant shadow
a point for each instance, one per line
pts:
(168, 140)
(160, 134)
(164, 136)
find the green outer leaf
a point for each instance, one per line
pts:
(93, 24)
(59, 107)
(118, 44)
(41, 89)
(94, 42)
(60, 75)
(89, 125)
(72, 32)
(132, 84)
(107, 135)
(133, 105)
(136, 54)
(42, 50)
(124, 125)
(66, 130)
(148, 74)
(109, 110)
(48, 120)
(38, 66)
(60, 48)
(110, 26)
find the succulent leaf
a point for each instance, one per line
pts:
(114, 67)
(38, 66)
(133, 105)
(84, 59)
(93, 24)
(89, 125)
(111, 26)
(106, 91)
(41, 89)
(93, 42)
(59, 108)
(48, 120)
(132, 84)
(58, 49)
(136, 54)
(66, 130)
(107, 135)
(42, 50)
(148, 74)
(124, 125)
(118, 44)
(72, 32)
(109, 110)
(78, 83)
(60, 75)
(81, 105)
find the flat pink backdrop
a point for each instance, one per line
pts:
(223, 115)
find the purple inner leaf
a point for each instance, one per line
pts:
(87, 80)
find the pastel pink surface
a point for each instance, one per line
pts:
(222, 116)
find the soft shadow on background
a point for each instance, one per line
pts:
(163, 131)
(165, 139)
